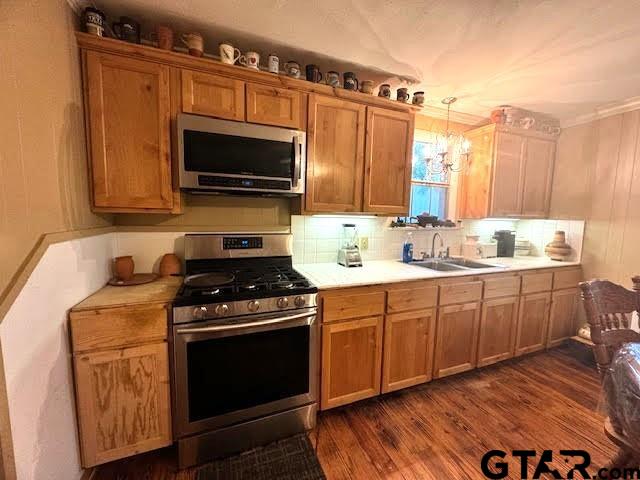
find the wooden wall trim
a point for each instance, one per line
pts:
(19, 279)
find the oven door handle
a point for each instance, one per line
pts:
(239, 326)
(296, 162)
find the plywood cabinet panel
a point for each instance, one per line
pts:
(501, 287)
(335, 155)
(128, 123)
(497, 335)
(408, 349)
(123, 402)
(456, 339)
(533, 321)
(460, 292)
(354, 305)
(562, 323)
(405, 299)
(508, 174)
(389, 146)
(536, 282)
(569, 278)
(274, 106)
(537, 177)
(351, 361)
(212, 95)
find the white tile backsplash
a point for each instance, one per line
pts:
(316, 239)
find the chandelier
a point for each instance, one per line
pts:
(449, 148)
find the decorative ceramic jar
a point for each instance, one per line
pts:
(123, 268)
(169, 265)
(558, 249)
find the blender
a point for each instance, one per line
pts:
(349, 254)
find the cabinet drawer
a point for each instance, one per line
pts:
(501, 287)
(117, 327)
(460, 292)
(536, 282)
(412, 299)
(567, 278)
(341, 307)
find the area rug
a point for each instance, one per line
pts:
(290, 459)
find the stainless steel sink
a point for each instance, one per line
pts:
(452, 264)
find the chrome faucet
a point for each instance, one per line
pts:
(433, 243)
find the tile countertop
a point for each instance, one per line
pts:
(332, 275)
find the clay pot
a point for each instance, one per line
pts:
(558, 249)
(123, 268)
(169, 265)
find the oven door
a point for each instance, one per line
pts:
(222, 155)
(243, 369)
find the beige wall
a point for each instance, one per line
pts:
(43, 181)
(597, 177)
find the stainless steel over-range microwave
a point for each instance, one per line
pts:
(236, 157)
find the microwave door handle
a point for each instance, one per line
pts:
(296, 161)
(237, 326)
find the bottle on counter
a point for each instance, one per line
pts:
(407, 249)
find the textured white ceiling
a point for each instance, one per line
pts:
(562, 57)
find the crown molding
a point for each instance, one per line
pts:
(606, 110)
(458, 117)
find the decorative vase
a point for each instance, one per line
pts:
(169, 265)
(123, 268)
(558, 249)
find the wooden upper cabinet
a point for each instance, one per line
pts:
(508, 174)
(389, 146)
(129, 112)
(212, 95)
(538, 174)
(274, 106)
(335, 155)
(351, 361)
(408, 349)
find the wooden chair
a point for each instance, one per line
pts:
(610, 309)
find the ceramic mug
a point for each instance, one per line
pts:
(313, 73)
(273, 63)
(402, 94)
(385, 90)
(527, 122)
(194, 42)
(350, 81)
(250, 60)
(366, 86)
(127, 29)
(164, 37)
(418, 98)
(94, 21)
(228, 53)
(292, 69)
(333, 79)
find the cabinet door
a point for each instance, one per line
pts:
(562, 316)
(408, 349)
(212, 95)
(129, 116)
(335, 155)
(456, 339)
(389, 146)
(497, 330)
(123, 402)
(274, 106)
(507, 174)
(538, 172)
(533, 320)
(351, 361)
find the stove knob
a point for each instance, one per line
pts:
(300, 301)
(222, 310)
(199, 312)
(283, 302)
(253, 305)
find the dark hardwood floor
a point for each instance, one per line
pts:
(545, 401)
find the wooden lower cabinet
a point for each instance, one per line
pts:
(123, 402)
(456, 339)
(408, 349)
(351, 361)
(533, 320)
(497, 335)
(562, 325)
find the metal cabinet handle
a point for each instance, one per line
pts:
(238, 326)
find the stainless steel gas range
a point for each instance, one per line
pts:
(245, 346)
